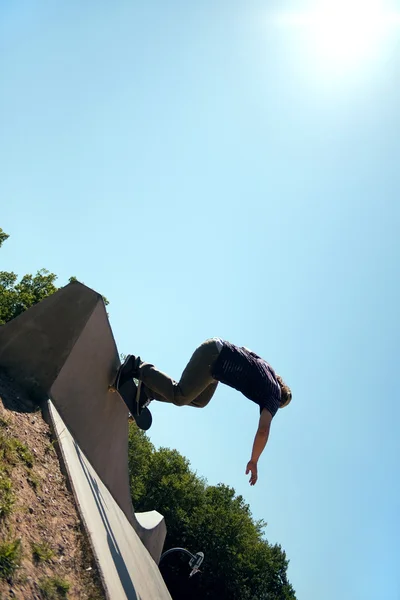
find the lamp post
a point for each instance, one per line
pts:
(194, 562)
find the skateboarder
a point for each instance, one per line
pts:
(216, 361)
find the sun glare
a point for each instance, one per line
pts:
(345, 31)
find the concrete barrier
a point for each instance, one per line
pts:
(63, 348)
(127, 570)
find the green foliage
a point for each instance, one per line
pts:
(13, 451)
(33, 480)
(54, 588)
(7, 497)
(140, 451)
(16, 297)
(23, 452)
(49, 448)
(41, 552)
(239, 562)
(3, 237)
(10, 557)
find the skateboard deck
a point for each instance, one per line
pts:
(127, 393)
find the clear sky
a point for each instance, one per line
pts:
(231, 168)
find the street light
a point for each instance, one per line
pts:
(194, 562)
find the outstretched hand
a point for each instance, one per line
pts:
(252, 468)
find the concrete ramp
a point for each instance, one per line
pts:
(127, 570)
(63, 348)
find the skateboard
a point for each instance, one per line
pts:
(129, 392)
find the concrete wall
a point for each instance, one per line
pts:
(35, 345)
(96, 417)
(127, 569)
(63, 348)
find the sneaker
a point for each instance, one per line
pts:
(128, 370)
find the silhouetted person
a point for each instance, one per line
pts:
(216, 361)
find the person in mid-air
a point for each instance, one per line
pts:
(216, 361)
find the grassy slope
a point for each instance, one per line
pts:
(43, 550)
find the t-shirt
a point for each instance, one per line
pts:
(248, 373)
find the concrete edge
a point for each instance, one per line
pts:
(152, 530)
(149, 519)
(48, 417)
(150, 526)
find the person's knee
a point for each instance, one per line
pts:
(179, 398)
(180, 401)
(197, 404)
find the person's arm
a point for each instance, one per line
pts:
(259, 444)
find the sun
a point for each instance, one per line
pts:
(344, 32)
(349, 30)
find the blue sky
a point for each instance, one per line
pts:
(231, 169)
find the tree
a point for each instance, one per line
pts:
(239, 562)
(3, 237)
(16, 297)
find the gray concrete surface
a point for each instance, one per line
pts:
(35, 345)
(63, 348)
(127, 569)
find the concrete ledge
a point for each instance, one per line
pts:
(127, 569)
(152, 531)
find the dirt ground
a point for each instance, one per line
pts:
(43, 511)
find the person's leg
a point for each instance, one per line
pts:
(199, 402)
(204, 398)
(194, 380)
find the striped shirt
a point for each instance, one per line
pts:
(250, 374)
